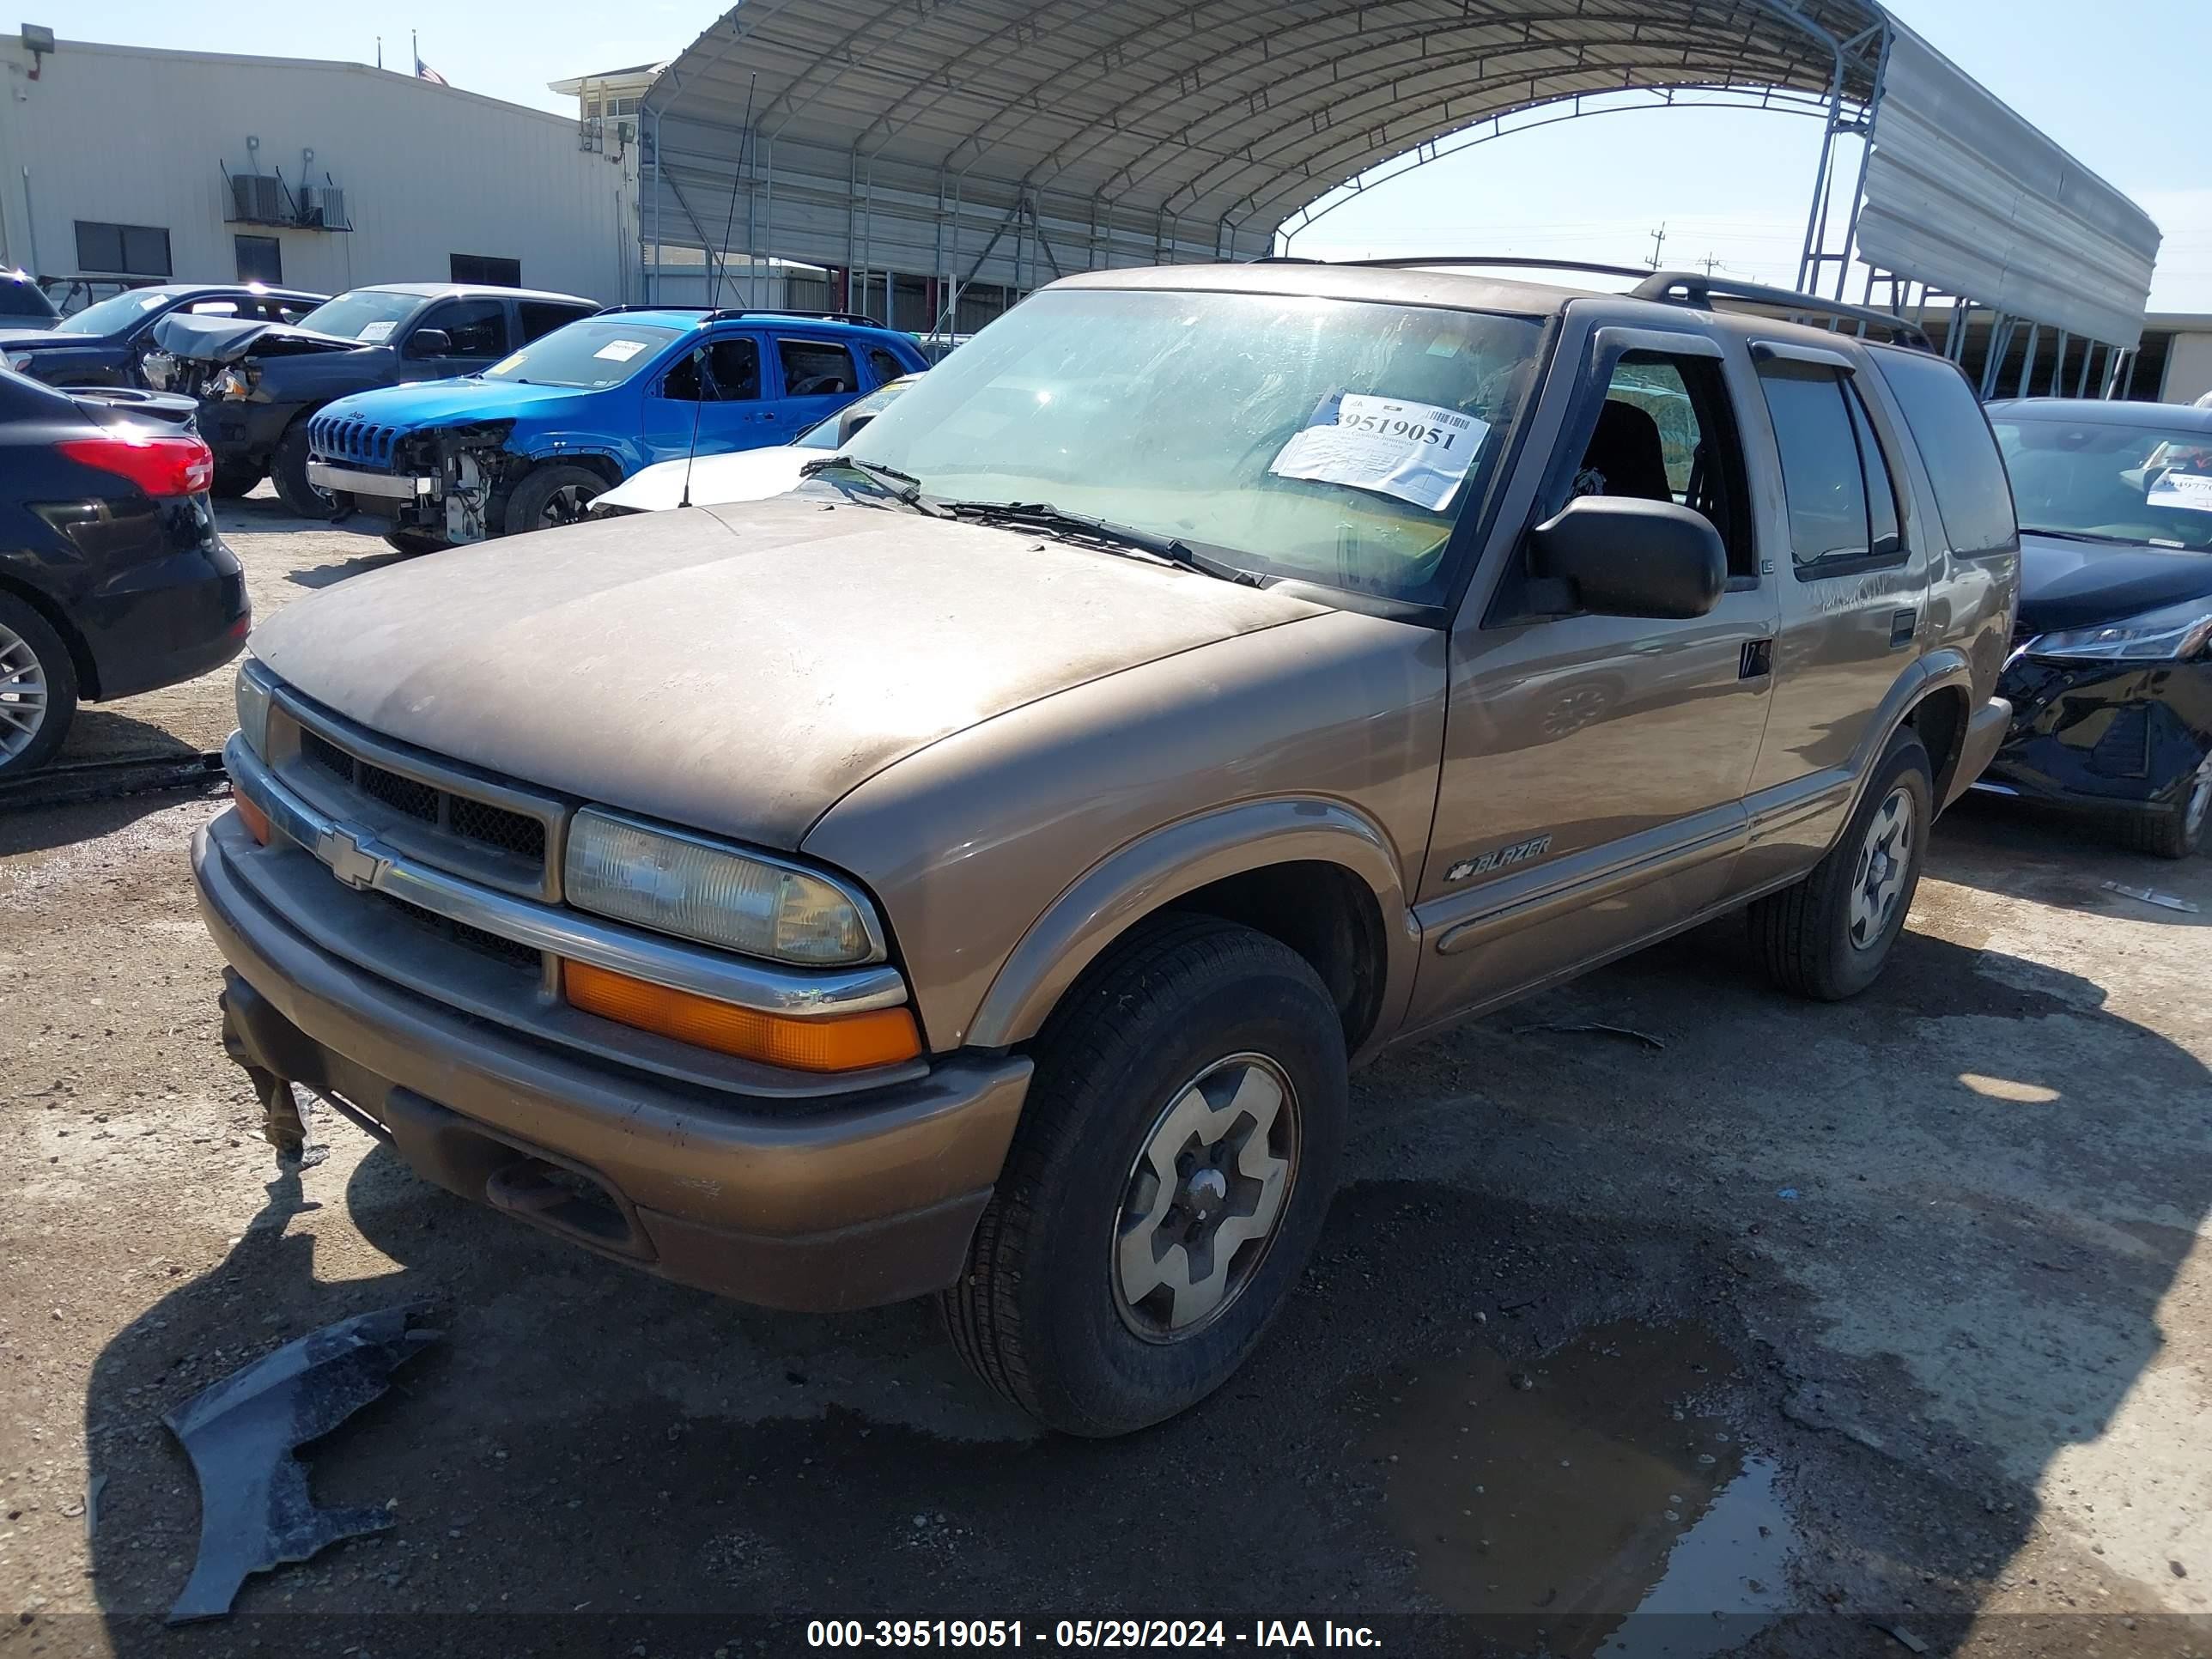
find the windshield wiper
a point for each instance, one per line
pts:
(901, 487)
(2080, 536)
(1045, 516)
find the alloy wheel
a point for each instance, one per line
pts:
(1203, 1199)
(1885, 859)
(24, 693)
(566, 505)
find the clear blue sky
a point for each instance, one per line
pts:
(2124, 88)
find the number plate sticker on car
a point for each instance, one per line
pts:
(1416, 451)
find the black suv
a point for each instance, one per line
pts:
(258, 382)
(103, 344)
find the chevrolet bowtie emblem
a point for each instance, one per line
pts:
(351, 860)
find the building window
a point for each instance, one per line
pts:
(484, 268)
(260, 258)
(128, 250)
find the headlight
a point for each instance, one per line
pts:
(2168, 634)
(234, 384)
(699, 890)
(252, 692)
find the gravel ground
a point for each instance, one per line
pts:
(1815, 1324)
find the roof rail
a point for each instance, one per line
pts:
(714, 314)
(1695, 288)
(1401, 261)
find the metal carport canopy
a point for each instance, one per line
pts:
(1009, 141)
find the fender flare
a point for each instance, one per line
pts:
(1942, 669)
(1141, 877)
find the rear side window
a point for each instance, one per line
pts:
(884, 367)
(1821, 473)
(1973, 497)
(816, 368)
(542, 317)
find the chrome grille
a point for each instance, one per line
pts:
(503, 833)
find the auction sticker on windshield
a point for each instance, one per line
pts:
(620, 351)
(371, 333)
(2191, 491)
(1418, 453)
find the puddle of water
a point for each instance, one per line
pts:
(1589, 1495)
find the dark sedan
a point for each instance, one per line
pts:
(113, 579)
(2110, 675)
(103, 344)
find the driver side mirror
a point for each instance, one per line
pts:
(1627, 556)
(430, 343)
(850, 423)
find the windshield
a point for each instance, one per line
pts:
(2123, 484)
(111, 315)
(365, 315)
(588, 354)
(822, 435)
(19, 299)
(1331, 440)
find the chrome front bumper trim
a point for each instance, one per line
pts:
(324, 476)
(356, 857)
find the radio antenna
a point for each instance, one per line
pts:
(699, 369)
(730, 217)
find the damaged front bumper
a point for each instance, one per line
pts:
(440, 484)
(2111, 735)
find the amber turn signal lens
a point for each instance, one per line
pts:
(848, 1042)
(255, 820)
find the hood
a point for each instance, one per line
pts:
(453, 401)
(227, 339)
(749, 475)
(11, 338)
(736, 670)
(2068, 584)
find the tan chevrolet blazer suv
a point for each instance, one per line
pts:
(974, 874)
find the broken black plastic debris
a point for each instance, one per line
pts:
(256, 1512)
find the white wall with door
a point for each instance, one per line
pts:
(114, 159)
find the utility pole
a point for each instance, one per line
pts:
(1658, 242)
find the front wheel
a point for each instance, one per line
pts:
(551, 496)
(2175, 830)
(233, 479)
(38, 688)
(1828, 935)
(1170, 1177)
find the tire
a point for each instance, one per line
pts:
(413, 541)
(1049, 1311)
(2175, 831)
(38, 688)
(550, 496)
(1807, 936)
(288, 468)
(234, 479)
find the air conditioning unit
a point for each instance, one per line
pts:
(258, 198)
(323, 205)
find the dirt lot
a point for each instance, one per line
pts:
(1814, 1325)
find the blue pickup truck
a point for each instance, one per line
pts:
(528, 443)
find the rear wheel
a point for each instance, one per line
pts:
(38, 688)
(1170, 1174)
(233, 479)
(550, 496)
(2176, 830)
(290, 469)
(1828, 935)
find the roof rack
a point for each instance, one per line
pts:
(1402, 261)
(1695, 288)
(715, 314)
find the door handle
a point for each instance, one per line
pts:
(1903, 624)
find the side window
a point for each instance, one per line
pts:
(1973, 497)
(884, 367)
(542, 317)
(1886, 537)
(1666, 432)
(814, 368)
(478, 327)
(289, 311)
(734, 363)
(213, 307)
(1822, 475)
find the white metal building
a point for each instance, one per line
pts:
(118, 160)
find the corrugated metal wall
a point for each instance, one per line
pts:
(1965, 195)
(116, 134)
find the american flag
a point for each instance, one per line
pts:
(424, 72)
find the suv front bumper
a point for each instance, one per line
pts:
(824, 1205)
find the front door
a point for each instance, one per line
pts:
(477, 337)
(711, 398)
(1594, 767)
